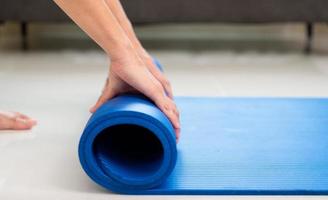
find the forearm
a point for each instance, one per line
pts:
(98, 21)
(116, 7)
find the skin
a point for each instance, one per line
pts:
(131, 68)
(15, 121)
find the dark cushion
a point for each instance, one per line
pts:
(149, 11)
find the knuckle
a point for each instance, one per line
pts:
(101, 99)
(166, 107)
(177, 113)
(166, 82)
(157, 89)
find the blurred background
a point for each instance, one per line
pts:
(270, 25)
(232, 47)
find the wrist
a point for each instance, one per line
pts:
(142, 53)
(121, 50)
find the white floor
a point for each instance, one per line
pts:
(57, 87)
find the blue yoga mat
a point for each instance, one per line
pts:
(227, 146)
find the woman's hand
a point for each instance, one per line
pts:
(131, 74)
(106, 23)
(156, 72)
(15, 121)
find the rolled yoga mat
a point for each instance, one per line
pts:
(128, 145)
(227, 146)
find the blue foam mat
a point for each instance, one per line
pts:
(228, 146)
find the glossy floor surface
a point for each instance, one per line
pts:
(57, 85)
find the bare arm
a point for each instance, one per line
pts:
(117, 9)
(128, 72)
(97, 20)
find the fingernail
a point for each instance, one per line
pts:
(34, 122)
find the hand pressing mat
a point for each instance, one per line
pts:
(249, 146)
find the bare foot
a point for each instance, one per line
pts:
(15, 121)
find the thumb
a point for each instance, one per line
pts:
(106, 94)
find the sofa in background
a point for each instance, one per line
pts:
(159, 11)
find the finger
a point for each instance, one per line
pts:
(26, 117)
(162, 79)
(166, 104)
(167, 87)
(155, 91)
(177, 114)
(101, 100)
(168, 109)
(177, 133)
(174, 108)
(22, 115)
(175, 121)
(143, 81)
(22, 124)
(147, 84)
(176, 111)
